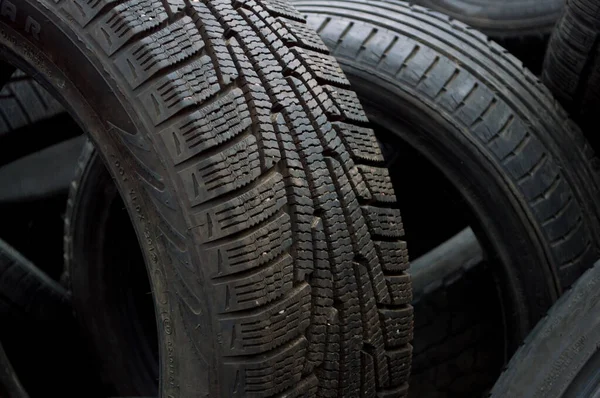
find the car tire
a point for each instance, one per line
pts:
(227, 127)
(523, 168)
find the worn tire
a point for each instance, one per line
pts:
(572, 64)
(231, 133)
(560, 357)
(521, 26)
(522, 166)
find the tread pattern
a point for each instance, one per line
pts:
(493, 98)
(571, 66)
(512, 122)
(287, 197)
(23, 102)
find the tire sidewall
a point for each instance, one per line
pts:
(40, 39)
(509, 237)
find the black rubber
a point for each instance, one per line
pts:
(40, 175)
(23, 102)
(572, 65)
(561, 356)
(10, 386)
(445, 264)
(522, 166)
(521, 26)
(259, 196)
(459, 348)
(39, 335)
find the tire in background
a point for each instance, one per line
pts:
(259, 196)
(561, 356)
(522, 166)
(521, 26)
(39, 335)
(572, 64)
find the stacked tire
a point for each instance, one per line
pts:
(232, 218)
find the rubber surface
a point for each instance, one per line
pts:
(491, 127)
(232, 133)
(572, 65)
(561, 349)
(39, 334)
(521, 26)
(445, 264)
(42, 174)
(23, 101)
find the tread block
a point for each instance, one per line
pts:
(208, 127)
(299, 34)
(270, 375)
(235, 166)
(268, 327)
(322, 67)
(379, 183)
(278, 8)
(347, 104)
(383, 221)
(393, 256)
(162, 49)
(252, 249)
(400, 289)
(214, 32)
(115, 28)
(360, 142)
(190, 85)
(399, 365)
(259, 288)
(244, 211)
(397, 326)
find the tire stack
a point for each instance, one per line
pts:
(203, 198)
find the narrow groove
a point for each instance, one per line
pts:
(262, 358)
(518, 149)
(184, 113)
(576, 259)
(559, 213)
(413, 52)
(233, 315)
(241, 234)
(214, 150)
(345, 32)
(534, 169)
(569, 233)
(167, 70)
(429, 69)
(544, 195)
(323, 25)
(231, 195)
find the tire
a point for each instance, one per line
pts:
(521, 26)
(459, 341)
(572, 65)
(39, 335)
(445, 264)
(27, 113)
(23, 102)
(42, 174)
(455, 350)
(560, 356)
(226, 127)
(524, 169)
